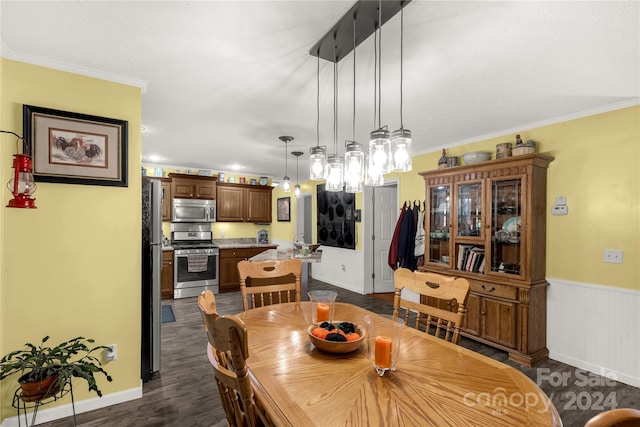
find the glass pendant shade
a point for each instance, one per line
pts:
(286, 184)
(401, 150)
(373, 176)
(296, 190)
(318, 163)
(335, 173)
(354, 167)
(22, 185)
(380, 150)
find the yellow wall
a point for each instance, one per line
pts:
(596, 168)
(72, 266)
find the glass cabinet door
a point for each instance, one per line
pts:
(469, 210)
(506, 211)
(438, 224)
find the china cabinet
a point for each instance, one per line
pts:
(185, 186)
(486, 222)
(243, 203)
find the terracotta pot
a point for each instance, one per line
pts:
(38, 390)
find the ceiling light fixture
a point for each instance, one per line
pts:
(318, 154)
(335, 162)
(285, 181)
(22, 185)
(336, 44)
(296, 190)
(401, 138)
(380, 142)
(354, 152)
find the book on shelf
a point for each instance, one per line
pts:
(470, 258)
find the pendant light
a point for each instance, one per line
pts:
(335, 162)
(296, 190)
(318, 154)
(379, 142)
(374, 172)
(285, 181)
(22, 184)
(401, 138)
(354, 152)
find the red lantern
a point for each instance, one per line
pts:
(22, 185)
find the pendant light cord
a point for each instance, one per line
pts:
(318, 101)
(401, 61)
(353, 124)
(335, 97)
(380, 64)
(375, 74)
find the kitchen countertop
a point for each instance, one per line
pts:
(241, 243)
(274, 254)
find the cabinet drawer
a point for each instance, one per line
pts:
(494, 289)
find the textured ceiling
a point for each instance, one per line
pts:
(223, 80)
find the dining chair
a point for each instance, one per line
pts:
(269, 282)
(620, 417)
(227, 352)
(446, 323)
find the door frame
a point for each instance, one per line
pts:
(368, 217)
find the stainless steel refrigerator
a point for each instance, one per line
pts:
(151, 269)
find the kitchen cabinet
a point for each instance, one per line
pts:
(166, 275)
(166, 199)
(185, 186)
(486, 222)
(229, 258)
(243, 202)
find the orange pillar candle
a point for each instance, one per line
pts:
(383, 352)
(322, 312)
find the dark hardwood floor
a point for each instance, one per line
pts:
(184, 392)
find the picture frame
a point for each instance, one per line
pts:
(284, 209)
(75, 148)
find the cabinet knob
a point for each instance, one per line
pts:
(493, 288)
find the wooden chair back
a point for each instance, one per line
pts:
(272, 282)
(227, 352)
(620, 417)
(446, 324)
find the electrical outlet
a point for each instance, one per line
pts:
(111, 353)
(613, 256)
(222, 234)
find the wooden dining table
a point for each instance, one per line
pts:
(436, 382)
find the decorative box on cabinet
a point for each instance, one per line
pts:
(243, 203)
(184, 186)
(487, 222)
(229, 258)
(166, 275)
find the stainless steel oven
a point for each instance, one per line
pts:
(196, 260)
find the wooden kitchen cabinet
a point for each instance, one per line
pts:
(166, 199)
(185, 186)
(486, 222)
(229, 258)
(166, 275)
(243, 203)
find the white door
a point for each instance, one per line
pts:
(386, 213)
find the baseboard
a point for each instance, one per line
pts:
(595, 328)
(335, 283)
(55, 413)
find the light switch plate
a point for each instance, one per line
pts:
(561, 200)
(559, 210)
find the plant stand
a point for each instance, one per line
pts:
(22, 405)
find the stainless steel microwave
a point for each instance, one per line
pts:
(193, 210)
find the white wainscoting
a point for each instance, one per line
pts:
(340, 267)
(596, 328)
(57, 412)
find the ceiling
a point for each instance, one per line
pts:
(222, 80)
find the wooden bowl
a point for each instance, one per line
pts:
(337, 346)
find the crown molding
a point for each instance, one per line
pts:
(8, 53)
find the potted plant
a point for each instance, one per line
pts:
(45, 370)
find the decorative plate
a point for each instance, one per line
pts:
(512, 224)
(263, 180)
